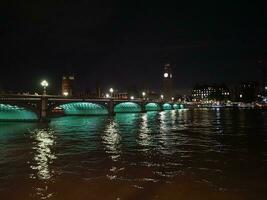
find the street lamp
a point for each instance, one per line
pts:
(143, 94)
(132, 97)
(65, 94)
(172, 98)
(44, 84)
(161, 96)
(107, 95)
(111, 91)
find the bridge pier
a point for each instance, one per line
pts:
(161, 106)
(111, 107)
(143, 106)
(43, 112)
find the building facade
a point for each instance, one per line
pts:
(67, 85)
(249, 91)
(210, 92)
(167, 82)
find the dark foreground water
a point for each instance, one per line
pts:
(186, 154)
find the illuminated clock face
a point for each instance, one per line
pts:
(166, 75)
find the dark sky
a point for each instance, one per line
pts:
(125, 43)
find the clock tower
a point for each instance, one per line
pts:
(167, 82)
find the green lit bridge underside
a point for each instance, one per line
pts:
(84, 108)
(14, 113)
(10, 112)
(127, 107)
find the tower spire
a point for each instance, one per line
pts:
(167, 82)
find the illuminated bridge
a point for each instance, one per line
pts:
(41, 108)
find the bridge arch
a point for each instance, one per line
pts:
(167, 106)
(127, 107)
(152, 107)
(9, 112)
(83, 108)
(176, 106)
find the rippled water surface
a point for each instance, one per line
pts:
(185, 154)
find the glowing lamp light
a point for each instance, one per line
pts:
(65, 94)
(240, 95)
(172, 98)
(161, 96)
(143, 94)
(111, 90)
(107, 95)
(166, 75)
(44, 83)
(132, 97)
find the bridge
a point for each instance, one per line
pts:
(43, 107)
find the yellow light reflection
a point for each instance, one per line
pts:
(111, 140)
(44, 140)
(144, 136)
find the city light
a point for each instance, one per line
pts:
(44, 84)
(166, 75)
(111, 90)
(107, 95)
(240, 95)
(161, 96)
(132, 97)
(172, 98)
(143, 94)
(65, 94)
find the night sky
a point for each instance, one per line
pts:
(125, 43)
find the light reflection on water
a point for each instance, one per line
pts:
(111, 140)
(140, 151)
(144, 138)
(43, 141)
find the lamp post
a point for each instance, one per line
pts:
(143, 94)
(162, 97)
(44, 84)
(43, 116)
(111, 92)
(111, 105)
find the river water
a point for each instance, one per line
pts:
(183, 154)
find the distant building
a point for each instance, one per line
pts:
(98, 91)
(1, 89)
(67, 85)
(249, 91)
(167, 82)
(85, 94)
(263, 75)
(120, 95)
(152, 95)
(210, 92)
